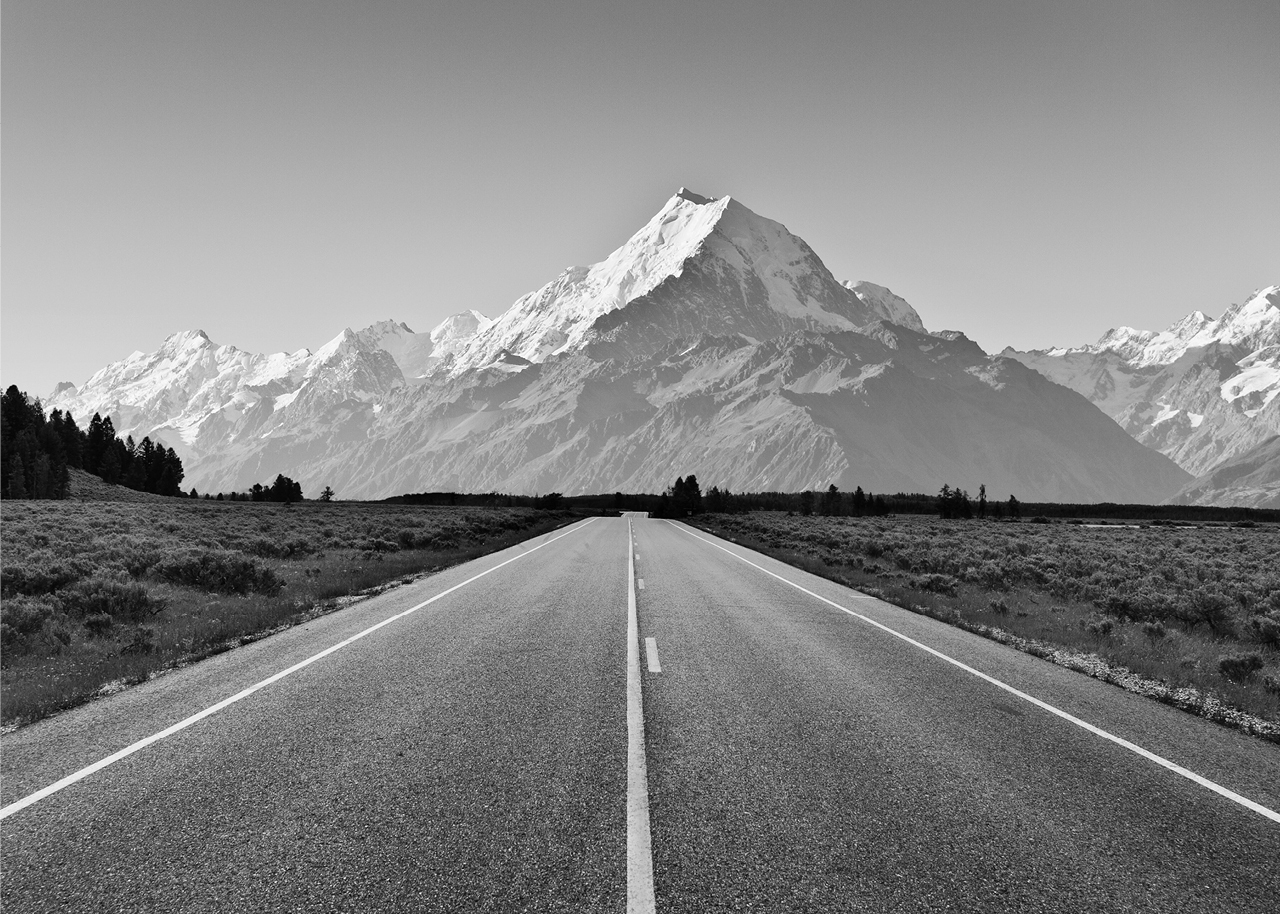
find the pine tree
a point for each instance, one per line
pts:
(17, 487)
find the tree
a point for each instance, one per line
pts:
(1015, 509)
(859, 501)
(17, 478)
(685, 497)
(982, 500)
(284, 490)
(831, 501)
(327, 494)
(806, 502)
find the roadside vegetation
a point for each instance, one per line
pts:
(99, 595)
(1188, 614)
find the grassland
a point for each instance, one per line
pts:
(1189, 615)
(98, 595)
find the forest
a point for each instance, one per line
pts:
(39, 452)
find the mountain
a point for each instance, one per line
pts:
(1202, 392)
(713, 341)
(1249, 480)
(700, 266)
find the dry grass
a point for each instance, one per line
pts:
(1194, 612)
(100, 594)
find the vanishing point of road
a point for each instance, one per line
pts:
(629, 714)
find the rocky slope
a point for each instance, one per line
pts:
(714, 341)
(1249, 480)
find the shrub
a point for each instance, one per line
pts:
(99, 625)
(938, 583)
(1239, 667)
(1211, 607)
(218, 571)
(1154, 630)
(21, 618)
(124, 600)
(999, 607)
(1267, 628)
(1099, 626)
(41, 575)
(1271, 684)
(141, 641)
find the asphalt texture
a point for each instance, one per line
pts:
(472, 756)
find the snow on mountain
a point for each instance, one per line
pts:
(713, 341)
(754, 276)
(1202, 392)
(886, 305)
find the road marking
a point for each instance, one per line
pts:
(1097, 731)
(83, 773)
(640, 583)
(639, 853)
(651, 651)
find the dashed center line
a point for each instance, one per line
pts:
(651, 651)
(640, 898)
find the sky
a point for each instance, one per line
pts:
(272, 172)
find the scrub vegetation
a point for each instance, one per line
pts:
(1187, 614)
(98, 595)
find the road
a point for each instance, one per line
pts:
(793, 746)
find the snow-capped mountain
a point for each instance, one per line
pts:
(1202, 392)
(699, 266)
(713, 341)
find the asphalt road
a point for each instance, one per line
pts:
(473, 755)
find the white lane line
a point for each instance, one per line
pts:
(83, 773)
(651, 651)
(1097, 731)
(640, 583)
(639, 853)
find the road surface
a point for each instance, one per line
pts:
(630, 713)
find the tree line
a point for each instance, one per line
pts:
(38, 453)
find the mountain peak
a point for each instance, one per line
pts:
(186, 338)
(685, 194)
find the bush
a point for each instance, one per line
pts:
(1099, 626)
(1154, 630)
(99, 625)
(1267, 628)
(1211, 607)
(142, 641)
(938, 583)
(21, 618)
(1271, 684)
(999, 607)
(218, 571)
(41, 575)
(1239, 667)
(124, 600)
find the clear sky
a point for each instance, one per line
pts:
(1031, 173)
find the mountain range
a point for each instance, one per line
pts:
(713, 341)
(1203, 392)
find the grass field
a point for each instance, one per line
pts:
(98, 595)
(1187, 614)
